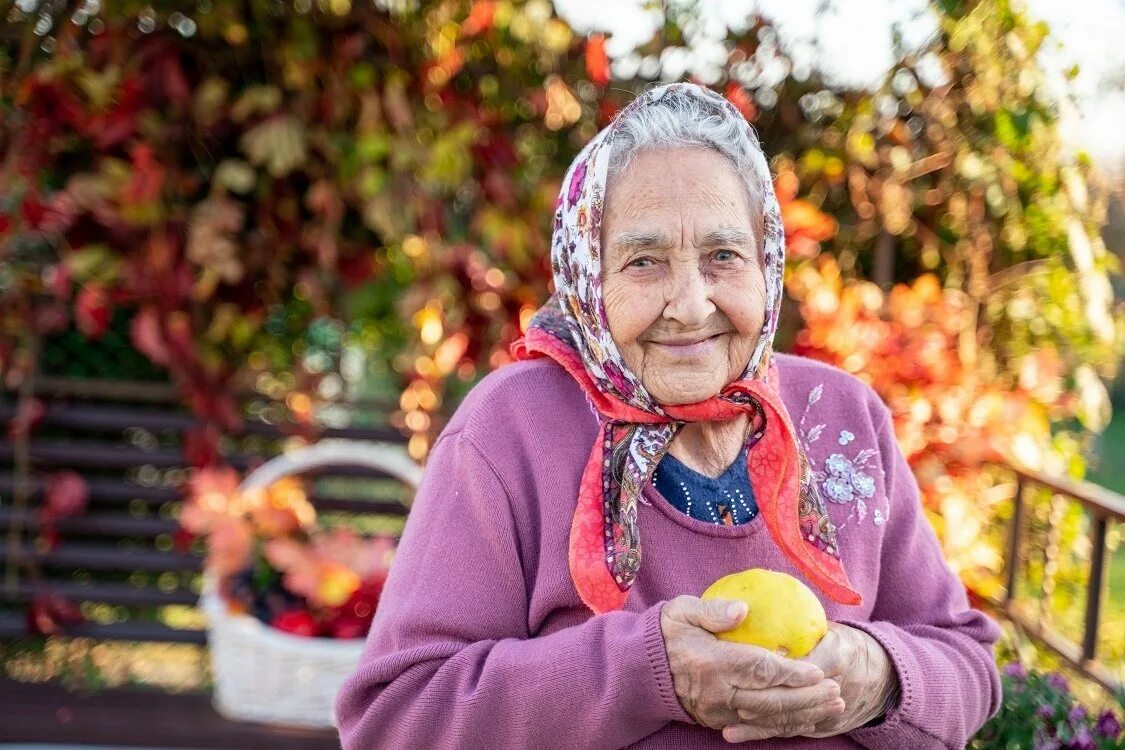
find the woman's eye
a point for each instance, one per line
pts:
(724, 256)
(640, 263)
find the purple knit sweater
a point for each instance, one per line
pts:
(481, 641)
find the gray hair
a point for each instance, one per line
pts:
(685, 116)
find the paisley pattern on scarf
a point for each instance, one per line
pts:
(634, 430)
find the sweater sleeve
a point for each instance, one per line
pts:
(450, 661)
(940, 647)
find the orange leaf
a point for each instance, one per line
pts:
(802, 217)
(92, 311)
(480, 18)
(739, 97)
(597, 62)
(785, 185)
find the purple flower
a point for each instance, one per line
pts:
(1046, 711)
(1058, 682)
(1016, 671)
(1107, 725)
(1042, 742)
(1081, 740)
(1077, 715)
(577, 180)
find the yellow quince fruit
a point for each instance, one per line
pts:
(783, 614)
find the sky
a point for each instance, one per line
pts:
(851, 42)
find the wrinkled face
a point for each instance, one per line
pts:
(682, 275)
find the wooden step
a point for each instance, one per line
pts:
(88, 454)
(102, 556)
(109, 489)
(110, 492)
(104, 418)
(102, 456)
(133, 717)
(15, 626)
(101, 591)
(93, 524)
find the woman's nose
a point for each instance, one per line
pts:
(688, 297)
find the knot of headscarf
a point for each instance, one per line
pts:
(634, 431)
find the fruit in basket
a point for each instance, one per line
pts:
(783, 614)
(353, 618)
(296, 622)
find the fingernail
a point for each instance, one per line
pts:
(736, 611)
(814, 675)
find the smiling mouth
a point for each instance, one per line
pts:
(687, 348)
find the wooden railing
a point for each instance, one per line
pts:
(1104, 508)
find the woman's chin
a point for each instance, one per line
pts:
(688, 388)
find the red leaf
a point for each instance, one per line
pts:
(60, 281)
(499, 189)
(147, 179)
(50, 613)
(597, 61)
(182, 539)
(49, 535)
(33, 211)
(358, 269)
(146, 335)
(51, 318)
(201, 446)
(29, 415)
(176, 86)
(607, 110)
(739, 97)
(92, 311)
(66, 495)
(110, 129)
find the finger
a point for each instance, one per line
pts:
(817, 716)
(748, 732)
(754, 731)
(754, 668)
(831, 655)
(780, 700)
(712, 615)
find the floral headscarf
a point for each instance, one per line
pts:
(635, 431)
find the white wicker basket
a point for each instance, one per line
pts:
(266, 675)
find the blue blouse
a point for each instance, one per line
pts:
(727, 499)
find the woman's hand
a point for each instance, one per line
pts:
(867, 678)
(720, 683)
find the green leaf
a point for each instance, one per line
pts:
(93, 263)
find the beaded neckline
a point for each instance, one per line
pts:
(724, 500)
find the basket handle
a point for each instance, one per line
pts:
(388, 458)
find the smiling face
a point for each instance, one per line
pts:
(682, 277)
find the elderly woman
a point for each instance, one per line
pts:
(521, 612)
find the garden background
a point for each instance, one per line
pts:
(327, 201)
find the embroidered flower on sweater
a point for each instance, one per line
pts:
(846, 480)
(843, 479)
